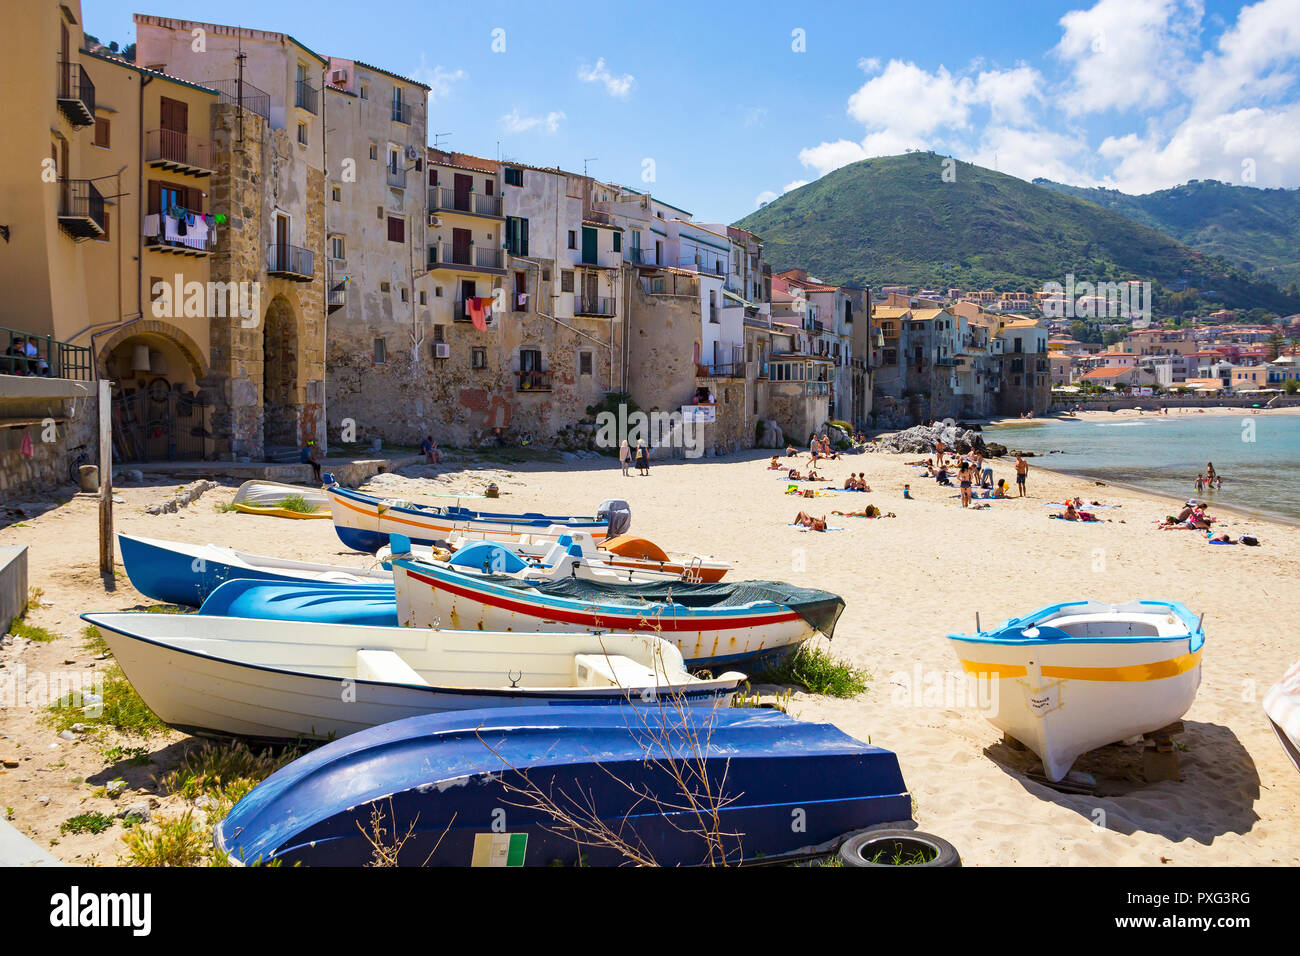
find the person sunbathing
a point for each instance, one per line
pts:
(808, 521)
(870, 511)
(791, 451)
(1001, 490)
(774, 464)
(813, 476)
(1070, 513)
(794, 475)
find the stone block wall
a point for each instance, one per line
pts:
(50, 465)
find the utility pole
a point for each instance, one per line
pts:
(106, 480)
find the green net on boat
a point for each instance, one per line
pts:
(821, 609)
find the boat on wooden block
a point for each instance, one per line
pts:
(364, 522)
(644, 776)
(261, 497)
(754, 622)
(284, 680)
(1282, 705)
(1073, 677)
(178, 573)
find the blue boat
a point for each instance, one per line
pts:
(470, 788)
(364, 522)
(322, 603)
(175, 572)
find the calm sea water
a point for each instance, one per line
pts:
(1256, 455)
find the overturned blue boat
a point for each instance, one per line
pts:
(368, 605)
(176, 572)
(601, 786)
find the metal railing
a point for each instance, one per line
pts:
(402, 113)
(172, 146)
(153, 427)
(533, 380)
(593, 305)
(447, 199)
(641, 257)
(396, 177)
(163, 231)
(76, 94)
(291, 260)
(247, 96)
(306, 96)
(480, 257)
(729, 370)
(43, 355)
(701, 264)
(79, 199)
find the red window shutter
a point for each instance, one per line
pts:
(155, 196)
(396, 229)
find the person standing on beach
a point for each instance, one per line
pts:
(938, 450)
(966, 474)
(625, 456)
(642, 458)
(1210, 473)
(1022, 472)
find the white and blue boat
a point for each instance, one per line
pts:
(712, 624)
(364, 522)
(285, 680)
(666, 786)
(1073, 677)
(175, 572)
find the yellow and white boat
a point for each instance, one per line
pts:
(1074, 677)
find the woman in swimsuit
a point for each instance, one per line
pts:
(965, 476)
(808, 521)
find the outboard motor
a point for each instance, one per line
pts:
(618, 513)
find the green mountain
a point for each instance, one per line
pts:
(1256, 229)
(900, 219)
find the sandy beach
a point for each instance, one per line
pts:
(907, 581)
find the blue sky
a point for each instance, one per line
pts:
(717, 103)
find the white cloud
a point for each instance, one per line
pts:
(1138, 101)
(514, 122)
(766, 196)
(1126, 53)
(438, 79)
(869, 64)
(619, 86)
(794, 185)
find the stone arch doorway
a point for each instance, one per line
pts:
(281, 395)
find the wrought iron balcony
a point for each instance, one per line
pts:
(306, 96)
(81, 208)
(163, 234)
(447, 255)
(533, 380)
(242, 94)
(76, 94)
(447, 199)
(291, 262)
(593, 305)
(178, 152)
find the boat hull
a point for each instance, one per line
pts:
(177, 573)
(1282, 705)
(428, 596)
(198, 692)
(453, 779)
(1063, 700)
(364, 523)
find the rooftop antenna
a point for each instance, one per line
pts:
(437, 137)
(240, 57)
(591, 159)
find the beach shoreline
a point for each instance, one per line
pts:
(907, 581)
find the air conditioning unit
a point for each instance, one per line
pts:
(434, 220)
(412, 152)
(441, 350)
(338, 76)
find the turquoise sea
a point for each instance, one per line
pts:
(1256, 455)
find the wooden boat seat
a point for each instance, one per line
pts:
(611, 670)
(387, 667)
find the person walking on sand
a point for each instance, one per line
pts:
(625, 457)
(965, 477)
(642, 458)
(1022, 472)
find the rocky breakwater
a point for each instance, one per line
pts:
(921, 440)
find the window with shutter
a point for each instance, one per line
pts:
(101, 132)
(396, 229)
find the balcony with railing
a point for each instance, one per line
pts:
(163, 234)
(533, 380)
(703, 265)
(306, 97)
(178, 152)
(81, 209)
(593, 305)
(336, 298)
(448, 255)
(24, 354)
(447, 199)
(76, 94)
(402, 113)
(728, 370)
(242, 94)
(396, 177)
(291, 262)
(640, 257)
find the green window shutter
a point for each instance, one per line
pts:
(618, 242)
(523, 237)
